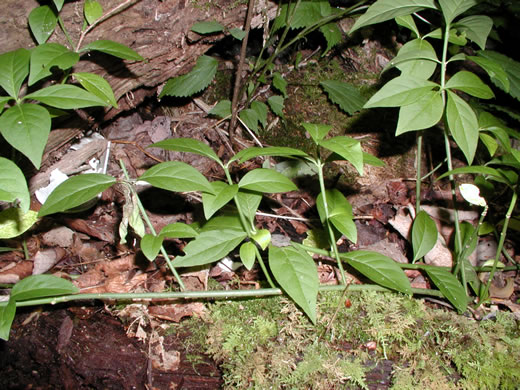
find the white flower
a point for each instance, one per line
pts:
(471, 193)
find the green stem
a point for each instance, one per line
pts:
(418, 178)
(152, 229)
(264, 268)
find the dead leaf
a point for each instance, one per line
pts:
(17, 272)
(503, 292)
(45, 259)
(61, 236)
(177, 311)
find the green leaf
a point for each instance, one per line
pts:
(3, 100)
(249, 202)
(208, 247)
(92, 11)
(317, 131)
(296, 168)
(477, 28)
(66, 97)
(489, 142)
(237, 33)
(408, 22)
(188, 145)
(224, 222)
(13, 184)
(449, 286)
(247, 255)
(372, 160)
(423, 114)
(511, 67)
(463, 125)
(261, 112)
(276, 105)
(114, 49)
(279, 151)
(296, 273)
(178, 230)
(471, 84)
(222, 109)
(417, 58)
(496, 174)
(14, 68)
(176, 176)
(346, 147)
(7, 313)
(266, 180)
(380, 269)
(332, 35)
(75, 191)
(383, 10)
(222, 194)
(42, 21)
(26, 127)
(496, 72)
(453, 8)
(195, 81)
(262, 237)
(151, 245)
(401, 91)
(424, 235)
(48, 55)
(14, 222)
(309, 12)
(339, 212)
(207, 27)
(97, 86)
(250, 119)
(41, 286)
(280, 84)
(344, 94)
(58, 4)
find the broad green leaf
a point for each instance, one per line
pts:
(237, 33)
(176, 176)
(226, 221)
(453, 8)
(383, 10)
(66, 96)
(380, 269)
(489, 142)
(3, 100)
(344, 94)
(249, 202)
(346, 147)
(7, 313)
(114, 49)
(401, 91)
(309, 12)
(151, 245)
(266, 180)
(455, 36)
(423, 114)
(209, 246)
(250, 119)
(247, 255)
(262, 237)
(178, 230)
(339, 212)
(207, 27)
(41, 286)
(492, 124)
(92, 11)
(416, 58)
(511, 67)
(222, 194)
(317, 131)
(408, 22)
(188, 145)
(42, 21)
(424, 235)
(58, 4)
(26, 127)
(261, 112)
(280, 84)
(345, 226)
(296, 273)
(195, 81)
(332, 35)
(276, 104)
(13, 184)
(496, 174)
(296, 168)
(449, 286)
(463, 125)
(477, 28)
(471, 84)
(279, 151)
(14, 68)
(97, 86)
(372, 160)
(14, 222)
(48, 55)
(75, 191)
(222, 109)
(496, 72)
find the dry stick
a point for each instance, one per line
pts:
(238, 76)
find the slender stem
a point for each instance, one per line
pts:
(264, 268)
(418, 177)
(152, 229)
